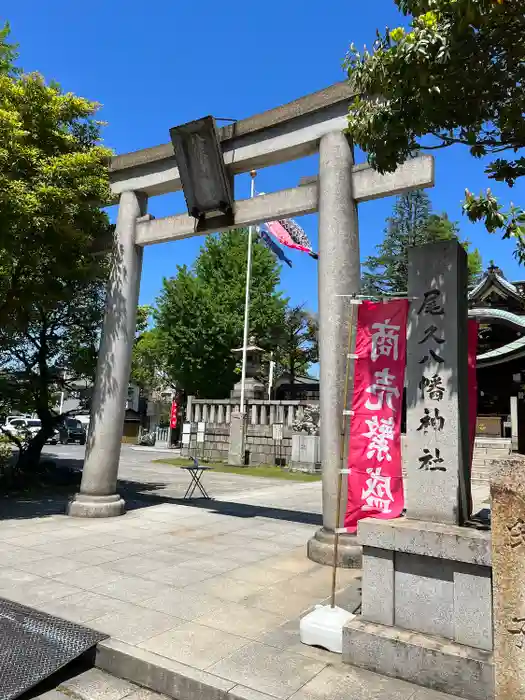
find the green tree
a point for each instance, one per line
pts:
(411, 224)
(148, 366)
(455, 75)
(55, 347)
(297, 344)
(200, 313)
(53, 177)
(144, 312)
(8, 52)
(440, 228)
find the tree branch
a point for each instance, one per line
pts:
(27, 364)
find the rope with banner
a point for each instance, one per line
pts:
(344, 414)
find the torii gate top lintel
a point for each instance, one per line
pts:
(276, 136)
(335, 95)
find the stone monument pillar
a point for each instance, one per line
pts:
(253, 389)
(508, 562)
(339, 277)
(236, 446)
(97, 497)
(437, 437)
(427, 602)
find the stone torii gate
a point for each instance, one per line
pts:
(313, 123)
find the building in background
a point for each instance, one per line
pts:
(499, 307)
(304, 388)
(77, 400)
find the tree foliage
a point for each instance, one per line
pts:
(457, 75)
(412, 223)
(200, 313)
(8, 52)
(297, 343)
(148, 366)
(53, 178)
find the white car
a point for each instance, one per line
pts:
(19, 425)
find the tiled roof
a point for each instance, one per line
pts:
(511, 351)
(490, 278)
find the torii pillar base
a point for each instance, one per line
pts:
(321, 550)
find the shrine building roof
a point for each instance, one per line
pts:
(494, 290)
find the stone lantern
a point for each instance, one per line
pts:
(253, 387)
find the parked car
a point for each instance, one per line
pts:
(72, 430)
(20, 425)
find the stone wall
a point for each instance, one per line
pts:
(263, 449)
(215, 445)
(259, 443)
(261, 415)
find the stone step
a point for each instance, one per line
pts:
(336, 681)
(92, 684)
(494, 445)
(166, 676)
(488, 464)
(493, 450)
(488, 454)
(504, 445)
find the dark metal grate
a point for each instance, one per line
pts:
(34, 645)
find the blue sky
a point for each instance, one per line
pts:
(157, 64)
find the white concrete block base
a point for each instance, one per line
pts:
(84, 506)
(323, 627)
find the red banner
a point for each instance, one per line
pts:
(375, 482)
(472, 384)
(173, 414)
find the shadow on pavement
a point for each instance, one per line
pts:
(53, 499)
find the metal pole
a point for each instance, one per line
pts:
(270, 377)
(253, 174)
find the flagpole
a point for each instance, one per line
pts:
(270, 378)
(253, 175)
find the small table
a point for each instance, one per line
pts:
(196, 471)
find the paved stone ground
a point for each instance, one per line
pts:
(218, 586)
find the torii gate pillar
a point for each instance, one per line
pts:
(97, 497)
(339, 277)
